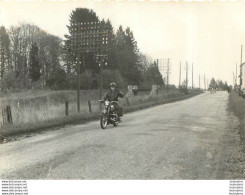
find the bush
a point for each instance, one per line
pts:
(57, 79)
(11, 82)
(8, 81)
(88, 80)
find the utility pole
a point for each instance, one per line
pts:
(180, 75)
(79, 74)
(100, 59)
(186, 75)
(199, 82)
(236, 74)
(204, 82)
(240, 72)
(167, 76)
(160, 66)
(160, 73)
(78, 81)
(82, 38)
(192, 76)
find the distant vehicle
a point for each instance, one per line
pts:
(212, 90)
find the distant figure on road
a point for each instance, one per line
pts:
(228, 89)
(112, 95)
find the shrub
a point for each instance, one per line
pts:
(57, 79)
(8, 81)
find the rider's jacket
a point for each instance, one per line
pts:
(113, 96)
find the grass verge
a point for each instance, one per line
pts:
(237, 104)
(80, 118)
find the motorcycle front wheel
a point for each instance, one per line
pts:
(115, 124)
(103, 121)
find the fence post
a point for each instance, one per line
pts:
(67, 108)
(9, 115)
(4, 115)
(127, 100)
(89, 106)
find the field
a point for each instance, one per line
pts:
(38, 106)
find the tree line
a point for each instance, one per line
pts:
(31, 58)
(217, 84)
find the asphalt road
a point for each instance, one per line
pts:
(190, 139)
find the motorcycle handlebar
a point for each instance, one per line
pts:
(114, 102)
(110, 102)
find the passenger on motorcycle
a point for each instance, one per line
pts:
(112, 95)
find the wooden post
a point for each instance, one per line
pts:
(192, 77)
(78, 81)
(4, 115)
(67, 108)
(180, 75)
(89, 106)
(127, 101)
(9, 115)
(199, 82)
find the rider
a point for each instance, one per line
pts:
(112, 95)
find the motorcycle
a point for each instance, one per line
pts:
(109, 114)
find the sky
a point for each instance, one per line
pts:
(208, 35)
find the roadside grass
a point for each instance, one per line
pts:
(45, 106)
(52, 115)
(38, 107)
(237, 104)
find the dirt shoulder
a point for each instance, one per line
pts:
(237, 104)
(231, 158)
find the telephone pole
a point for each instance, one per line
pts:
(199, 82)
(186, 75)
(167, 76)
(236, 74)
(180, 75)
(160, 73)
(240, 71)
(84, 41)
(79, 82)
(204, 82)
(192, 76)
(160, 66)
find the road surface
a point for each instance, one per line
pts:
(190, 139)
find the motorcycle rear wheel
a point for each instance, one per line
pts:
(103, 121)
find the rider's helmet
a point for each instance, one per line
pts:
(113, 84)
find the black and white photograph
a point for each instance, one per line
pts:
(144, 93)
